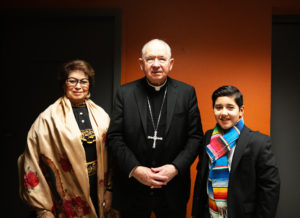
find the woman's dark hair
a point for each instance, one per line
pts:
(75, 65)
(228, 91)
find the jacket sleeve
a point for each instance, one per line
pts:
(200, 197)
(268, 181)
(186, 157)
(117, 147)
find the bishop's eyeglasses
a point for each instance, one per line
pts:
(73, 82)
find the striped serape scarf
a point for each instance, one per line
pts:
(219, 172)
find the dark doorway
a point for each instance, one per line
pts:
(34, 45)
(285, 109)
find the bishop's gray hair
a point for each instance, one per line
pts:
(157, 41)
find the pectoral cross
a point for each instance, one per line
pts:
(154, 138)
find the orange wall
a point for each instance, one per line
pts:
(214, 43)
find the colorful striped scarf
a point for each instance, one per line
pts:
(219, 172)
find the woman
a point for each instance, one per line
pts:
(63, 171)
(236, 175)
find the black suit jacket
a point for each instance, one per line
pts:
(127, 144)
(254, 184)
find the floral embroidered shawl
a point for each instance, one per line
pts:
(52, 170)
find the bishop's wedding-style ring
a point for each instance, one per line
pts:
(152, 186)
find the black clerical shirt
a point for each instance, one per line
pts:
(156, 100)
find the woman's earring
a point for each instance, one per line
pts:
(88, 95)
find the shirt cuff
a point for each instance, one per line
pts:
(130, 174)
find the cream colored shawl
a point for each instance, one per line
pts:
(54, 144)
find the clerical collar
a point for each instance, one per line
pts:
(157, 88)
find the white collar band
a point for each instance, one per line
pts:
(157, 88)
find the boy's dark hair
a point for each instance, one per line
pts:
(228, 91)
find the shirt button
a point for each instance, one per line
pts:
(82, 121)
(80, 113)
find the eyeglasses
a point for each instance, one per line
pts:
(74, 82)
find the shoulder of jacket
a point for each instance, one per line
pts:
(180, 83)
(208, 134)
(131, 84)
(256, 139)
(256, 134)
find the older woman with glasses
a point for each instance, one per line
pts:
(64, 169)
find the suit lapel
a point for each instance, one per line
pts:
(240, 148)
(171, 101)
(140, 98)
(204, 165)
